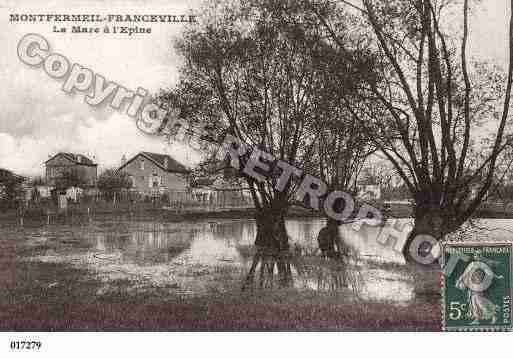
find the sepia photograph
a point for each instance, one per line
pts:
(255, 166)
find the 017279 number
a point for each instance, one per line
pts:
(25, 345)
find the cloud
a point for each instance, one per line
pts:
(103, 141)
(38, 119)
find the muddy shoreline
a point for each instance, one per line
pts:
(36, 302)
(37, 294)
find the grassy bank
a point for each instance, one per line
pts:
(58, 297)
(37, 295)
(141, 210)
(83, 212)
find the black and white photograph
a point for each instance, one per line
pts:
(255, 166)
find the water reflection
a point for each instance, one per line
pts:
(215, 255)
(379, 284)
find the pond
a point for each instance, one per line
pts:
(204, 257)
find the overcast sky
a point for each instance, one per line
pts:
(38, 119)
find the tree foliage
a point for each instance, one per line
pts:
(69, 178)
(263, 72)
(442, 119)
(112, 182)
(11, 189)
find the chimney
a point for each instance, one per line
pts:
(166, 163)
(79, 159)
(123, 160)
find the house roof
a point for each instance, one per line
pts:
(79, 159)
(160, 160)
(6, 174)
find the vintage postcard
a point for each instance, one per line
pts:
(262, 165)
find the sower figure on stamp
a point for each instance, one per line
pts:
(480, 307)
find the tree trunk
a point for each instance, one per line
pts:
(429, 222)
(272, 250)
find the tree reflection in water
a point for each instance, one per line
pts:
(280, 269)
(275, 266)
(330, 274)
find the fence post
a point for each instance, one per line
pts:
(19, 211)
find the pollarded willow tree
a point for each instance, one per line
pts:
(342, 147)
(258, 70)
(442, 119)
(246, 77)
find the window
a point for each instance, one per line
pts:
(155, 181)
(142, 164)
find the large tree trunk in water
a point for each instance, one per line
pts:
(272, 251)
(434, 224)
(427, 221)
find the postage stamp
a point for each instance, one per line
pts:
(476, 286)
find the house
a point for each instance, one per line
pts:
(10, 182)
(43, 191)
(76, 168)
(154, 173)
(369, 189)
(221, 187)
(6, 175)
(370, 192)
(74, 193)
(220, 192)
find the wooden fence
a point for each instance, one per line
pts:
(209, 200)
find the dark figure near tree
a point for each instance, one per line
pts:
(329, 240)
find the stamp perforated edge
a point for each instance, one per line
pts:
(495, 328)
